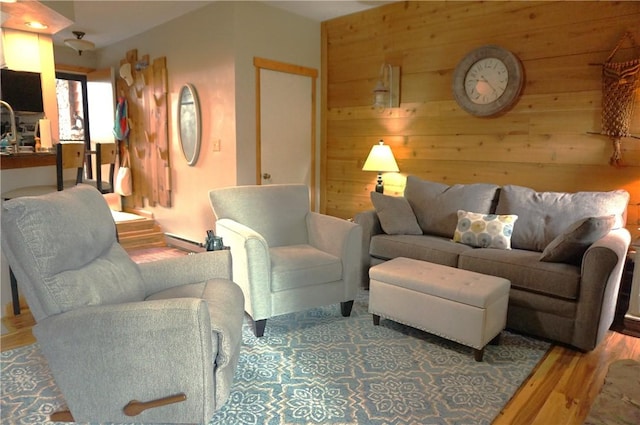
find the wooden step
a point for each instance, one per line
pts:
(141, 239)
(19, 327)
(139, 233)
(21, 321)
(18, 338)
(136, 225)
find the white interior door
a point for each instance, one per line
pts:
(285, 123)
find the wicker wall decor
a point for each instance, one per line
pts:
(619, 82)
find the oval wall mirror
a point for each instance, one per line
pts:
(189, 123)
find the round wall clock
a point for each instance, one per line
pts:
(487, 81)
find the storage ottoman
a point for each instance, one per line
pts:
(460, 305)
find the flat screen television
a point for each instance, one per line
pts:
(22, 90)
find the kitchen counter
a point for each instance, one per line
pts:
(26, 160)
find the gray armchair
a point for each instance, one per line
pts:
(114, 332)
(286, 258)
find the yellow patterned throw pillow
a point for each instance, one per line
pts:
(484, 230)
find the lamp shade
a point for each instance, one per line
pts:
(78, 43)
(381, 159)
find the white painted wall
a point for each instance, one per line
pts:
(269, 33)
(213, 49)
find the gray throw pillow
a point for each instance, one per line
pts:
(395, 214)
(436, 205)
(542, 216)
(570, 245)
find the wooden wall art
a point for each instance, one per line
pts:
(147, 144)
(619, 83)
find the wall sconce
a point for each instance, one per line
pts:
(380, 159)
(78, 43)
(386, 94)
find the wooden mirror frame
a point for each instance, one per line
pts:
(189, 123)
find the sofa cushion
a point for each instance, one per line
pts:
(542, 216)
(525, 271)
(570, 245)
(436, 205)
(484, 230)
(395, 215)
(434, 249)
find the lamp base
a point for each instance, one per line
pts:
(380, 185)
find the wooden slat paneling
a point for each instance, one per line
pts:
(543, 142)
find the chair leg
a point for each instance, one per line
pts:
(478, 353)
(346, 307)
(258, 327)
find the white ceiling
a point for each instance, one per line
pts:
(106, 22)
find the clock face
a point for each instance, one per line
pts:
(486, 80)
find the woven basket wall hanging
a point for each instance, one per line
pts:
(619, 83)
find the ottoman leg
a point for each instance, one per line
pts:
(477, 354)
(376, 319)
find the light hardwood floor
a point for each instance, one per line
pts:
(560, 391)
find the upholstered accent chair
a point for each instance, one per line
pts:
(286, 258)
(154, 343)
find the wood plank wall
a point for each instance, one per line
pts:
(542, 143)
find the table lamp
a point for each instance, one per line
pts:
(380, 159)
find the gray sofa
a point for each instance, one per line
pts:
(563, 252)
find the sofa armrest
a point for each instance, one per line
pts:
(602, 267)
(193, 268)
(341, 238)
(370, 227)
(251, 265)
(102, 357)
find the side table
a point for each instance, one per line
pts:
(632, 317)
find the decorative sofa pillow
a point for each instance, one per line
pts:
(395, 215)
(570, 245)
(545, 215)
(484, 230)
(436, 204)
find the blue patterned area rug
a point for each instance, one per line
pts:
(317, 367)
